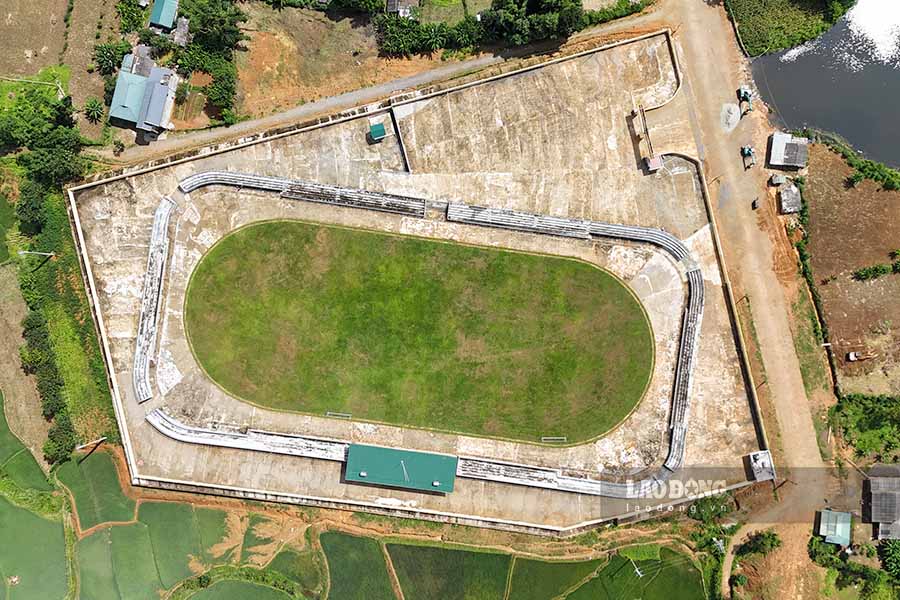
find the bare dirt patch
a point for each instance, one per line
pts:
(31, 35)
(22, 402)
(296, 56)
(91, 22)
(852, 228)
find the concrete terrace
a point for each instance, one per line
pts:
(554, 140)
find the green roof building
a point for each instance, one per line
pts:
(389, 467)
(834, 526)
(128, 97)
(163, 14)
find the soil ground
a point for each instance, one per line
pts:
(22, 405)
(295, 56)
(32, 35)
(91, 22)
(851, 228)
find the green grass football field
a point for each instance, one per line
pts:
(309, 318)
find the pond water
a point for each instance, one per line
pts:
(846, 81)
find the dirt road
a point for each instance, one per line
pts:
(715, 67)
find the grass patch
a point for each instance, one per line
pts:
(23, 469)
(174, 537)
(673, 577)
(642, 552)
(136, 574)
(450, 12)
(309, 318)
(7, 220)
(81, 393)
(95, 487)
(540, 580)
(807, 345)
(772, 25)
(252, 539)
(9, 90)
(303, 568)
(427, 572)
(231, 589)
(356, 568)
(95, 568)
(34, 550)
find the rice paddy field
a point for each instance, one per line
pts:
(310, 318)
(356, 568)
(35, 567)
(425, 573)
(239, 590)
(95, 487)
(16, 462)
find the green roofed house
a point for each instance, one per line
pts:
(144, 96)
(422, 471)
(163, 14)
(834, 526)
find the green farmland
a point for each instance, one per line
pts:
(239, 590)
(38, 560)
(16, 462)
(426, 572)
(95, 487)
(540, 580)
(356, 567)
(309, 318)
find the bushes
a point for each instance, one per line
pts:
(108, 57)
(873, 272)
(870, 423)
(771, 25)
(762, 542)
(511, 22)
(131, 15)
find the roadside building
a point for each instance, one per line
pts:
(788, 151)
(789, 199)
(834, 526)
(162, 16)
(144, 96)
(884, 500)
(402, 8)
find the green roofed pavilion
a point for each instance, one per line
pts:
(835, 527)
(163, 13)
(423, 471)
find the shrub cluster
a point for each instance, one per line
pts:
(507, 22)
(872, 272)
(870, 423)
(131, 15)
(873, 583)
(762, 542)
(39, 130)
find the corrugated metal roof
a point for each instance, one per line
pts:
(163, 13)
(128, 97)
(788, 151)
(423, 471)
(835, 526)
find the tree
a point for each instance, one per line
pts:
(762, 542)
(363, 6)
(434, 35)
(889, 553)
(215, 24)
(131, 15)
(108, 57)
(93, 110)
(738, 580)
(571, 17)
(29, 207)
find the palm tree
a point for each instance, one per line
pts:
(93, 110)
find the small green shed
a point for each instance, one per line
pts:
(377, 132)
(163, 14)
(406, 469)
